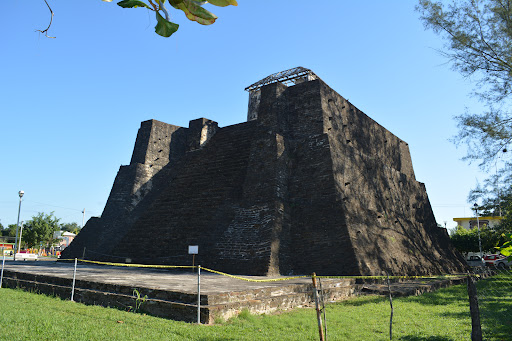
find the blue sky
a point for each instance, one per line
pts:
(70, 107)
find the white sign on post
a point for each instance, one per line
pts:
(193, 249)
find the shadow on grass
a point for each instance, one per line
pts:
(359, 301)
(495, 302)
(496, 320)
(453, 295)
(426, 338)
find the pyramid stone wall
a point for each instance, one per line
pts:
(310, 183)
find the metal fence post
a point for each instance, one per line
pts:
(2, 275)
(199, 294)
(73, 286)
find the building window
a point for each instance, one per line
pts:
(474, 223)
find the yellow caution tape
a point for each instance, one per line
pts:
(266, 280)
(254, 280)
(391, 277)
(330, 277)
(139, 265)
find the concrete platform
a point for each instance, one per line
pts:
(174, 294)
(171, 293)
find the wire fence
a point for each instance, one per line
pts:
(451, 309)
(495, 304)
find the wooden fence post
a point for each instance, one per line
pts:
(318, 313)
(391, 304)
(476, 328)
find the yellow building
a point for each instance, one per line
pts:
(471, 222)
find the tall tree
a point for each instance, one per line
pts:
(494, 195)
(40, 229)
(10, 230)
(478, 36)
(70, 227)
(506, 224)
(467, 240)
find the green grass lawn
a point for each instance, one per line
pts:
(443, 315)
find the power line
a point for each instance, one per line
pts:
(42, 203)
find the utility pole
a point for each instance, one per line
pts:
(478, 225)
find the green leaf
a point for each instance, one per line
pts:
(132, 4)
(506, 248)
(223, 3)
(165, 28)
(194, 12)
(175, 3)
(506, 251)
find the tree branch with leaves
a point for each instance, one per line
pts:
(478, 43)
(478, 35)
(193, 11)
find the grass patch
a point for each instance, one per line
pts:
(441, 316)
(495, 302)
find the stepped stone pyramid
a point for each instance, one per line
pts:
(308, 184)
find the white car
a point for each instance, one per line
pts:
(503, 263)
(475, 261)
(26, 256)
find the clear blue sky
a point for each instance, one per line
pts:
(70, 107)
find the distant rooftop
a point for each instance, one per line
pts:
(286, 77)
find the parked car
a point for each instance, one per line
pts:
(26, 256)
(474, 261)
(503, 263)
(490, 260)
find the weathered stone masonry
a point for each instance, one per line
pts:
(310, 183)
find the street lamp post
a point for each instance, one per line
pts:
(478, 225)
(21, 234)
(20, 193)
